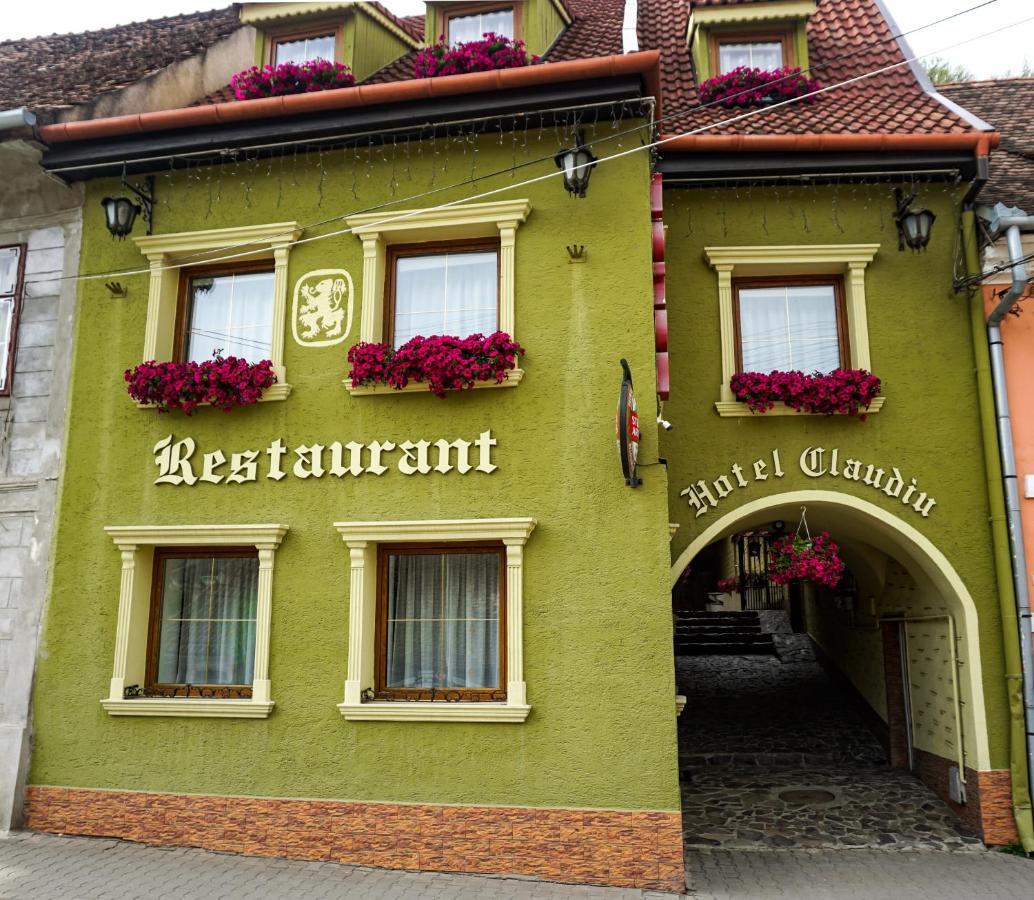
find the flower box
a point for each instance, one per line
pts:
(443, 363)
(800, 558)
(225, 383)
(847, 392)
(291, 78)
(493, 51)
(745, 86)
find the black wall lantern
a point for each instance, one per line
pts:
(120, 212)
(577, 164)
(914, 225)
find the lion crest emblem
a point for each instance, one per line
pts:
(322, 311)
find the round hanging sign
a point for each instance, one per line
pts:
(628, 428)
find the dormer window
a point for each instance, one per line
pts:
(469, 21)
(300, 48)
(758, 51)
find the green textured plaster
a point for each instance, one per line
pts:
(597, 641)
(374, 46)
(920, 346)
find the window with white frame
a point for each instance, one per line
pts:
(194, 613)
(435, 620)
(469, 24)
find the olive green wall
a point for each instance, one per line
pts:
(920, 346)
(598, 632)
(542, 24)
(372, 46)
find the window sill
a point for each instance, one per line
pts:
(183, 707)
(271, 394)
(735, 409)
(513, 378)
(431, 711)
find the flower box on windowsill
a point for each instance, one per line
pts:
(512, 379)
(227, 383)
(440, 364)
(841, 392)
(730, 409)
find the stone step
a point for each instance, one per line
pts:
(731, 630)
(697, 638)
(687, 648)
(718, 614)
(723, 621)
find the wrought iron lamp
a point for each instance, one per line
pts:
(120, 212)
(914, 225)
(577, 164)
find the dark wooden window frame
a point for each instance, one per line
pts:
(431, 248)
(286, 36)
(462, 10)
(16, 313)
(154, 688)
(381, 632)
(181, 341)
(784, 36)
(835, 281)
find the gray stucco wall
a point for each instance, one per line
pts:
(47, 217)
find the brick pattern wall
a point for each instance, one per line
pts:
(988, 806)
(623, 849)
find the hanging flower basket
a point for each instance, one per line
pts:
(291, 78)
(223, 382)
(443, 362)
(745, 86)
(728, 585)
(845, 392)
(493, 51)
(799, 557)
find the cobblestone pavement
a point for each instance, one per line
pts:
(879, 808)
(755, 727)
(858, 875)
(46, 867)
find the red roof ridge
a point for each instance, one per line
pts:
(984, 82)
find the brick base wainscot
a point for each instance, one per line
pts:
(604, 847)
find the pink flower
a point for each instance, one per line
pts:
(493, 51)
(745, 86)
(290, 78)
(223, 382)
(443, 362)
(796, 558)
(846, 392)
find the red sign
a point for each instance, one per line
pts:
(627, 426)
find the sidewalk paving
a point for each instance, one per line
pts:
(48, 867)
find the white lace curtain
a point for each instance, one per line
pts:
(443, 621)
(207, 631)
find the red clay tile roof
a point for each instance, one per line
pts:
(62, 70)
(1004, 104)
(412, 25)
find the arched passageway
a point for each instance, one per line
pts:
(827, 718)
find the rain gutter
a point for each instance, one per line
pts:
(645, 64)
(1017, 659)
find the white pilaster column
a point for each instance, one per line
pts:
(372, 315)
(125, 611)
(276, 352)
(356, 602)
(260, 686)
(728, 330)
(857, 328)
(507, 286)
(516, 690)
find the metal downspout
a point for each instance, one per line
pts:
(1010, 565)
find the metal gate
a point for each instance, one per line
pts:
(755, 588)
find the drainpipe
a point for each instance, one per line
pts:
(1015, 610)
(19, 117)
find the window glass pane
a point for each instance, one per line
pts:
(6, 315)
(443, 621)
(207, 628)
(471, 28)
(9, 257)
(447, 293)
(231, 313)
(789, 327)
(762, 55)
(304, 49)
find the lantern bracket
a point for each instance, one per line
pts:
(145, 194)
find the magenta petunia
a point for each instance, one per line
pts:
(223, 382)
(847, 392)
(745, 86)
